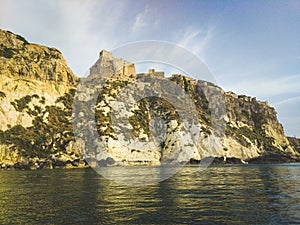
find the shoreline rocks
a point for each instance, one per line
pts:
(268, 158)
(45, 164)
(273, 158)
(218, 160)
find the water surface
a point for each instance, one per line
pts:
(222, 194)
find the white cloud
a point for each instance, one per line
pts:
(188, 36)
(80, 29)
(145, 19)
(140, 19)
(195, 39)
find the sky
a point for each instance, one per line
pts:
(251, 47)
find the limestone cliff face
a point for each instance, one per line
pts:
(34, 82)
(29, 70)
(295, 142)
(31, 61)
(254, 125)
(139, 119)
(125, 124)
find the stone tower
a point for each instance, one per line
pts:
(109, 66)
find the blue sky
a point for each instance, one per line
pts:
(252, 47)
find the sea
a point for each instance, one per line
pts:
(220, 194)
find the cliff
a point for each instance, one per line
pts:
(145, 130)
(31, 61)
(35, 86)
(295, 142)
(138, 119)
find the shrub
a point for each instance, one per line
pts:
(22, 39)
(22, 103)
(6, 52)
(2, 95)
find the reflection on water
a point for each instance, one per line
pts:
(138, 175)
(265, 194)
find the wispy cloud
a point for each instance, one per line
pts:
(144, 19)
(188, 36)
(266, 87)
(140, 19)
(80, 29)
(196, 39)
(287, 101)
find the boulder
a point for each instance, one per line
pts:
(273, 158)
(233, 160)
(48, 164)
(106, 162)
(23, 165)
(59, 163)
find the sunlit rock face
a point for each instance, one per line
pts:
(35, 88)
(31, 70)
(149, 131)
(31, 61)
(137, 119)
(295, 142)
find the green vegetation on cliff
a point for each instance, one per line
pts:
(51, 130)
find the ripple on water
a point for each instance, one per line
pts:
(247, 194)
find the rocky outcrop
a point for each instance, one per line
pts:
(24, 60)
(251, 128)
(53, 162)
(124, 118)
(295, 142)
(32, 76)
(273, 158)
(36, 89)
(254, 125)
